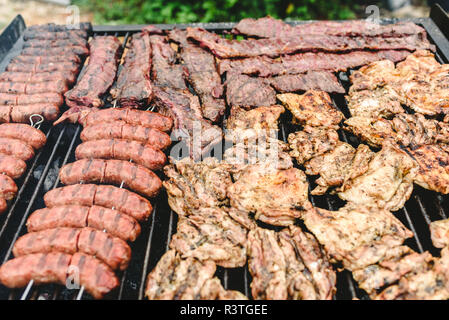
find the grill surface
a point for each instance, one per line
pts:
(42, 175)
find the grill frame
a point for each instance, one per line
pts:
(422, 207)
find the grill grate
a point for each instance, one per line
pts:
(42, 175)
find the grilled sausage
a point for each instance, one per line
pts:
(120, 199)
(66, 66)
(138, 152)
(31, 77)
(12, 166)
(57, 51)
(122, 130)
(75, 216)
(45, 59)
(8, 188)
(24, 132)
(96, 277)
(133, 176)
(3, 205)
(111, 250)
(57, 86)
(16, 148)
(130, 116)
(22, 113)
(20, 99)
(41, 268)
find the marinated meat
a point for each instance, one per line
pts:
(245, 91)
(314, 108)
(312, 80)
(192, 186)
(357, 236)
(174, 278)
(387, 183)
(213, 290)
(439, 231)
(211, 234)
(276, 197)
(289, 265)
(375, 103)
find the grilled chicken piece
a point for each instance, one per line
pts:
(373, 75)
(314, 108)
(213, 290)
(312, 142)
(338, 166)
(370, 130)
(276, 197)
(288, 265)
(193, 185)
(176, 278)
(433, 167)
(211, 234)
(387, 183)
(421, 61)
(381, 102)
(358, 236)
(267, 151)
(439, 231)
(249, 124)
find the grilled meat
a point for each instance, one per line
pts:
(312, 142)
(111, 250)
(36, 34)
(203, 76)
(99, 74)
(56, 51)
(22, 99)
(439, 231)
(22, 113)
(211, 234)
(263, 66)
(58, 86)
(133, 86)
(213, 290)
(192, 185)
(8, 188)
(387, 183)
(121, 130)
(433, 167)
(268, 27)
(245, 91)
(76, 216)
(51, 27)
(189, 126)
(133, 176)
(12, 166)
(120, 199)
(138, 152)
(30, 77)
(176, 278)
(16, 148)
(312, 80)
(75, 41)
(244, 124)
(375, 103)
(273, 47)
(255, 187)
(24, 132)
(288, 265)
(46, 59)
(356, 236)
(66, 67)
(338, 166)
(314, 108)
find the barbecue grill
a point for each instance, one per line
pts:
(42, 175)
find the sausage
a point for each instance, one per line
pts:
(133, 176)
(8, 188)
(138, 152)
(45, 59)
(96, 277)
(66, 66)
(22, 113)
(122, 130)
(30, 77)
(130, 116)
(75, 216)
(57, 86)
(57, 51)
(16, 148)
(41, 268)
(12, 166)
(24, 132)
(123, 200)
(20, 99)
(111, 250)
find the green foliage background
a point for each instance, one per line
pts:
(185, 11)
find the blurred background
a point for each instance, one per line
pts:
(184, 11)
